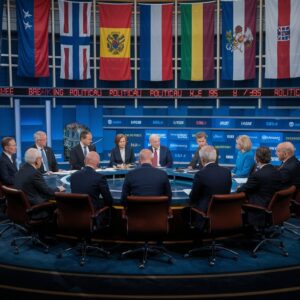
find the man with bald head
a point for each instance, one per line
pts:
(88, 181)
(290, 167)
(146, 180)
(162, 156)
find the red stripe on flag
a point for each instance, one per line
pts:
(166, 14)
(84, 63)
(115, 69)
(283, 47)
(66, 17)
(208, 42)
(250, 22)
(41, 17)
(84, 11)
(115, 15)
(66, 65)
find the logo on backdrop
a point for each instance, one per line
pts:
(72, 137)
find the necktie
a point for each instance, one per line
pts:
(84, 151)
(45, 160)
(154, 160)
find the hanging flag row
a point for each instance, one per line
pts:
(282, 59)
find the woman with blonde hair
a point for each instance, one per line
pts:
(245, 158)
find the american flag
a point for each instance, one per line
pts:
(74, 20)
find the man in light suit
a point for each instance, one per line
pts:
(30, 180)
(146, 180)
(48, 158)
(8, 166)
(88, 181)
(162, 156)
(290, 167)
(79, 152)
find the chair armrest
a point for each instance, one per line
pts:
(255, 207)
(40, 207)
(170, 213)
(100, 211)
(199, 212)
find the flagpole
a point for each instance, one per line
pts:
(135, 51)
(218, 51)
(176, 50)
(260, 50)
(53, 52)
(95, 50)
(9, 49)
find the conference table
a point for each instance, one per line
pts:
(181, 181)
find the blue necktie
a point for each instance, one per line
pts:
(45, 160)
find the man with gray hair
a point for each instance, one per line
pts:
(30, 180)
(290, 166)
(210, 180)
(48, 158)
(146, 180)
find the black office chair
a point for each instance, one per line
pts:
(22, 215)
(224, 214)
(76, 216)
(275, 214)
(147, 219)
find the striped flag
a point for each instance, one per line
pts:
(197, 41)
(115, 27)
(75, 18)
(156, 42)
(32, 24)
(282, 39)
(238, 39)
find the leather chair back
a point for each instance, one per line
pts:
(225, 211)
(147, 215)
(74, 212)
(280, 205)
(17, 205)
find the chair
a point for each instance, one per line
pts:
(224, 214)
(295, 210)
(147, 219)
(76, 216)
(22, 215)
(274, 214)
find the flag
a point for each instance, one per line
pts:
(32, 24)
(115, 22)
(197, 41)
(156, 42)
(282, 39)
(1, 13)
(238, 39)
(75, 19)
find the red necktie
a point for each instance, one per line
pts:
(154, 160)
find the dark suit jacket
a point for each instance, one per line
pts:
(88, 181)
(77, 156)
(165, 158)
(51, 159)
(32, 183)
(115, 156)
(8, 170)
(210, 180)
(196, 162)
(262, 184)
(290, 172)
(146, 181)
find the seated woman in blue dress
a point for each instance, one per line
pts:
(122, 155)
(245, 158)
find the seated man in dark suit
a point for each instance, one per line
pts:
(30, 180)
(88, 181)
(290, 167)
(146, 180)
(262, 184)
(212, 179)
(79, 152)
(48, 158)
(162, 156)
(8, 166)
